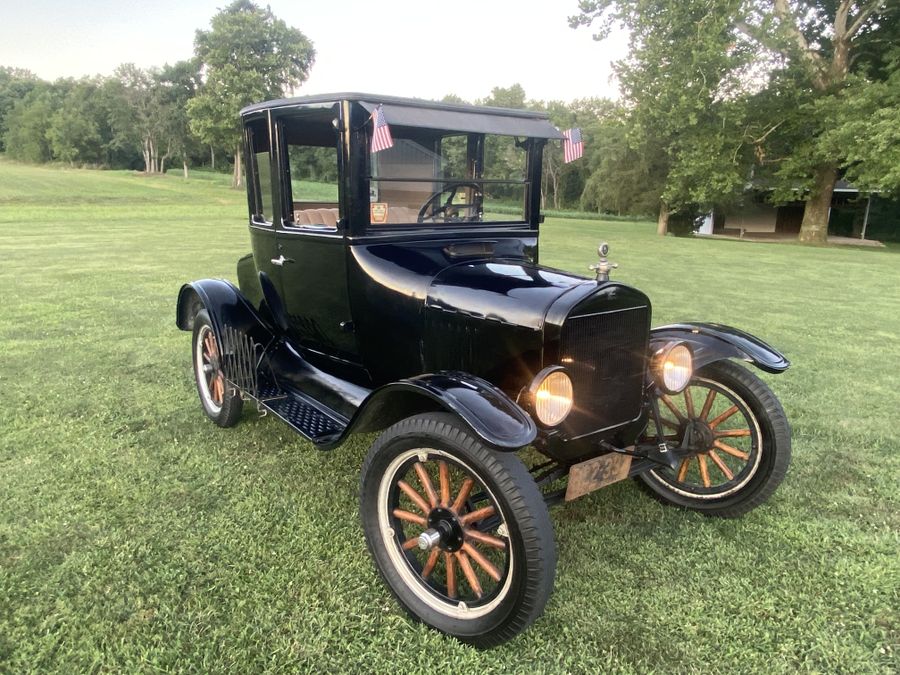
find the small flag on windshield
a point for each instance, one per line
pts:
(573, 145)
(381, 134)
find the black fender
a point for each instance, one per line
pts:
(225, 304)
(494, 417)
(714, 342)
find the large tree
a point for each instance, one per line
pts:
(678, 85)
(248, 55)
(803, 49)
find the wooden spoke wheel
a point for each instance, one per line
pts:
(221, 402)
(738, 442)
(460, 533)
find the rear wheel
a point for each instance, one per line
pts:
(742, 442)
(460, 533)
(221, 402)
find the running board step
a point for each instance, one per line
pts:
(304, 416)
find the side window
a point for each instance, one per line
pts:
(313, 173)
(261, 172)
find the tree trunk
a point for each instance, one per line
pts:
(814, 228)
(236, 178)
(184, 164)
(662, 223)
(212, 158)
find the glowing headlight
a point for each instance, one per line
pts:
(551, 396)
(673, 367)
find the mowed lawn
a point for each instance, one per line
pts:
(136, 535)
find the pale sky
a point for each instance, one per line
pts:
(402, 48)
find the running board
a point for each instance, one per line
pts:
(307, 417)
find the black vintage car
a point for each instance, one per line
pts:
(399, 291)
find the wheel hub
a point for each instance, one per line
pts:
(447, 525)
(698, 437)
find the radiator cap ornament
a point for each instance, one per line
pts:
(603, 267)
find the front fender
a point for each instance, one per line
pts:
(492, 415)
(714, 342)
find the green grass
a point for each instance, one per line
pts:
(135, 535)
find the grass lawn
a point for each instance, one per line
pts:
(135, 535)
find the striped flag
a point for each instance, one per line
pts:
(573, 145)
(381, 134)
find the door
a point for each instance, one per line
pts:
(311, 243)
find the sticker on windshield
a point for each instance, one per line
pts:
(378, 212)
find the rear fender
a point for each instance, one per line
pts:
(491, 414)
(714, 342)
(226, 306)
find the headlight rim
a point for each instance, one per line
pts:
(535, 385)
(658, 360)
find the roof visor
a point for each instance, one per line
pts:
(487, 121)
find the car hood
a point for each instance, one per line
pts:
(512, 292)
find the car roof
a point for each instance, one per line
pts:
(416, 112)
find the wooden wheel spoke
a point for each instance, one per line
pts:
(683, 469)
(410, 517)
(733, 433)
(469, 573)
(483, 538)
(450, 564)
(689, 402)
(734, 452)
(478, 514)
(444, 471)
(707, 404)
(724, 416)
(671, 406)
(431, 562)
(425, 480)
(483, 562)
(415, 496)
(463, 495)
(218, 389)
(722, 466)
(410, 543)
(704, 470)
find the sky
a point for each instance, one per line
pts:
(417, 48)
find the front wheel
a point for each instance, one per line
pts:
(742, 443)
(460, 533)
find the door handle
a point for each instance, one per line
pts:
(280, 260)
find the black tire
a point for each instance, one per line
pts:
(767, 446)
(221, 402)
(444, 598)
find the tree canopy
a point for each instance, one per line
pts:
(248, 55)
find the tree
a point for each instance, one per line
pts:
(808, 43)
(75, 128)
(865, 130)
(249, 55)
(179, 84)
(27, 124)
(679, 83)
(15, 84)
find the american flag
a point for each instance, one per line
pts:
(381, 134)
(573, 145)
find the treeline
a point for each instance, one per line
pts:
(135, 119)
(145, 118)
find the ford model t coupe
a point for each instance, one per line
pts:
(394, 286)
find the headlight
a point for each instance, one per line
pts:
(673, 367)
(551, 396)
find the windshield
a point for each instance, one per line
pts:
(447, 177)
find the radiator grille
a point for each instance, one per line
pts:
(605, 355)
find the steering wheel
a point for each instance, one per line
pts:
(433, 207)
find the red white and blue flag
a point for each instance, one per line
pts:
(573, 145)
(381, 134)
